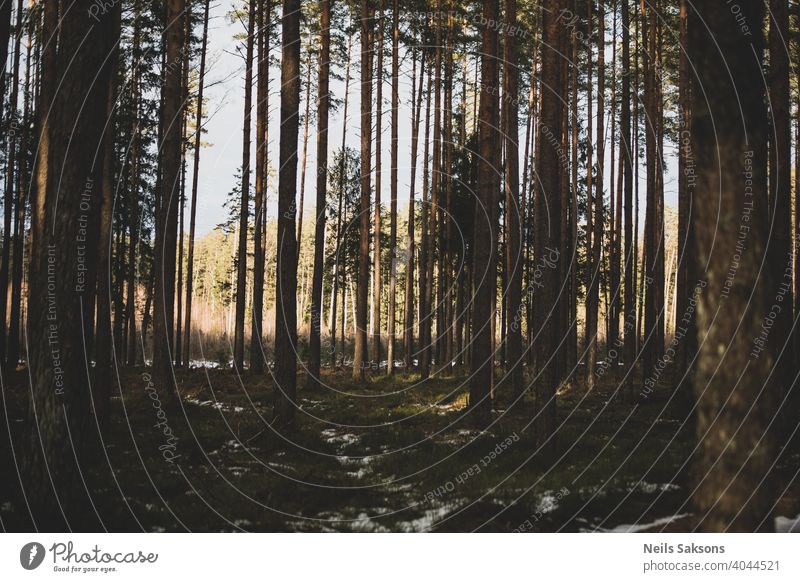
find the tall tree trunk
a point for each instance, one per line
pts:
(513, 220)
(427, 315)
(167, 207)
(626, 152)
(547, 234)
(304, 158)
(262, 171)
(59, 455)
(593, 299)
(654, 218)
(781, 247)
(323, 103)
(424, 254)
(362, 291)
(485, 233)
(187, 327)
(181, 227)
(101, 387)
(23, 187)
(408, 325)
(244, 208)
(375, 318)
(735, 394)
(11, 168)
(286, 284)
(391, 319)
(684, 279)
(338, 267)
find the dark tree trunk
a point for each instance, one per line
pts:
(244, 208)
(12, 139)
(362, 290)
(513, 220)
(391, 319)
(338, 266)
(187, 327)
(286, 284)
(654, 217)
(485, 233)
(375, 319)
(781, 248)
(547, 234)
(408, 324)
(323, 103)
(408, 312)
(626, 151)
(684, 280)
(101, 388)
(593, 295)
(167, 208)
(735, 394)
(59, 455)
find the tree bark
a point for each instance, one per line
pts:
(485, 233)
(362, 287)
(391, 319)
(187, 327)
(547, 235)
(323, 103)
(59, 454)
(167, 207)
(735, 394)
(244, 208)
(286, 285)
(513, 257)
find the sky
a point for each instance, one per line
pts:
(222, 157)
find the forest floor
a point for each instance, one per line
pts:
(394, 454)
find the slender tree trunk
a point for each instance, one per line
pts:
(654, 219)
(547, 240)
(323, 102)
(304, 159)
(133, 187)
(735, 395)
(593, 299)
(416, 105)
(626, 152)
(391, 318)
(513, 219)
(362, 291)
(23, 187)
(338, 267)
(428, 314)
(187, 327)
(103, 353)
(684, 280)
(11, 168)
(424, 258)
(375, 318)
(485, 233)
(244, 209)
(286, 285)
(167, 207)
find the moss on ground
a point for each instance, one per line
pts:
(391, 454)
